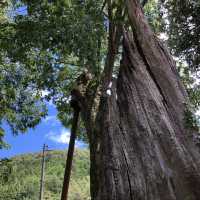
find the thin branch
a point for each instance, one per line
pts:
(104, 4)
(115, 33)
(144, 2)
(105, 14)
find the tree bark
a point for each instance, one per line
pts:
(140, 148)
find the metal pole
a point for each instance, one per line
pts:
(42, 173)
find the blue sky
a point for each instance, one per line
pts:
(50, 131)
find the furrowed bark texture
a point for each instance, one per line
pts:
(140, 149)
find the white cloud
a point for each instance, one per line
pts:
(198, 113)
(50, 103)
(51, 120)
(44, 93)
(63, 136)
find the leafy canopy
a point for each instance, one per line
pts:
(48, 47)
(46, 50)
(20, 105)
(182, 25)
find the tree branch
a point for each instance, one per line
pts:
(144, 2)
(104, 4)
(115, 33)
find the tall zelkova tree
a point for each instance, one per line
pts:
(134, 109)
(141, 149)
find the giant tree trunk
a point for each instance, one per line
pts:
(140, 149)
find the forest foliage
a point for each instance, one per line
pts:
(20, 176)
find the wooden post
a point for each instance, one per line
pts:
(70, 153)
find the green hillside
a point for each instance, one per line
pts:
(20, 176)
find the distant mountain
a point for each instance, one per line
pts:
(20, 176)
